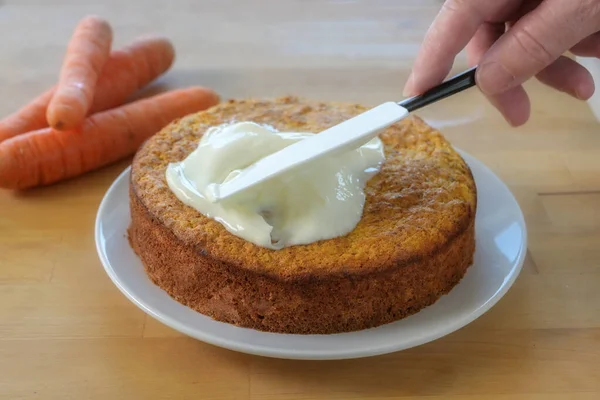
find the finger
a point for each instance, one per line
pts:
(451, 30)
(568, 76)
(449, 33)
(484, 38)
(513, 104)
(588, 47)
(525, 7)
(534, 42)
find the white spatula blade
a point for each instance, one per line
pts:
(345, 136)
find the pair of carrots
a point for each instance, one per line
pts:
(83, 123)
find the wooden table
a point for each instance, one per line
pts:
(66, 332)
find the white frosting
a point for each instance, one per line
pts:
(322, 200)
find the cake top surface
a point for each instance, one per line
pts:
(423, 196)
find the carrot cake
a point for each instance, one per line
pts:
(412, 243)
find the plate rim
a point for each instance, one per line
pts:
(304, 355)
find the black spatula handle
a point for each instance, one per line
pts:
(454, 85)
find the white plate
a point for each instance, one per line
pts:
(500, 250)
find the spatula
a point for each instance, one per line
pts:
(345, 136)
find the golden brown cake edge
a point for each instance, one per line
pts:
(318, 305)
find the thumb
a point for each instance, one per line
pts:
(536, 41)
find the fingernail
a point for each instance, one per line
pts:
(579, 95)
(493, 78)
(585, 92)
(408, 86)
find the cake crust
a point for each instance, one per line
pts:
(414, 243)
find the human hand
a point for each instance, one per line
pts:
(512, 41)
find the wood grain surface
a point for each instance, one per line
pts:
(66, 332)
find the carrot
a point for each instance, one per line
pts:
(132, 68)
(87, 52)
(30, 117)
(47, 155)
(126, 71)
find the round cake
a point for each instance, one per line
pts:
(413, 244)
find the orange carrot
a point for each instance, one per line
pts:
(30, 117)
(87, 52)
(126, 71)
(132, 68)
(47, 156)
